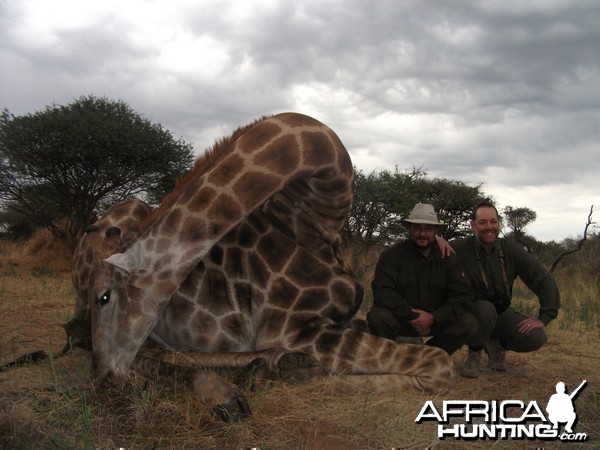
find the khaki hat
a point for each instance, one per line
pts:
(422, 213)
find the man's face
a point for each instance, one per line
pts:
(486, 225)
(422, 235)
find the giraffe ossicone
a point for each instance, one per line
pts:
(241, 263)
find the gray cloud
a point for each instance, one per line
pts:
(501, 92)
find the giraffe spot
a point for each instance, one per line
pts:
(171, 222)
(223, 213)
(226, 170)
(190, 284)
(259, 272)
(335, 313)
(246, 237)
(282, 156)
(234, 325)
(233, 262)
(312, 300)
(258, 222)
(193, 229)
(179, 309)
(271, 322)
(275, 250)
(330, 186)
(243, 296)
(215, 255)
(254, 188)
(328, 342)
(202, 199)
(257, 137)
(344, 293)
(299, 120)
(162, 244)
(203, 322)
(282, 293)
(349, 344)
(214, 292)
(317, 149)
(409, 360)
(306, 270)
(307, 332)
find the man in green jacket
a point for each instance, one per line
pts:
(493, 264)
(418, 293)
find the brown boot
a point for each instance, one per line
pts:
(472, 367)
(496, 354)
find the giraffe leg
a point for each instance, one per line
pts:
(273, 364)
(296, 367)
(382, 365)
(224, 399)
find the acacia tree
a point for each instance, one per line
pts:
(58, 165)
(517, 219)
(382, 199)
(378, 199)
(453, 201)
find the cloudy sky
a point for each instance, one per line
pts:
(504, 92)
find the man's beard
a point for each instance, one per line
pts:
(422, 247)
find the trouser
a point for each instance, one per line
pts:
(449, 337)
(503, 327)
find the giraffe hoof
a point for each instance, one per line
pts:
(236, 410)
(297, 367)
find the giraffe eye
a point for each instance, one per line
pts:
(103, 299)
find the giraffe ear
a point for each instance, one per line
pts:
(124, 261)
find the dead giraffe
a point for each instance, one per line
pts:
(242, 262)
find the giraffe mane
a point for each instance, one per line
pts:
(201, 165)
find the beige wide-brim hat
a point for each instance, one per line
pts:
(422, 213)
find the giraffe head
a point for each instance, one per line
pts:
(91, 275)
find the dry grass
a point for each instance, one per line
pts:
(55, 404)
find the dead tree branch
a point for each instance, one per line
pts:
(579, 244)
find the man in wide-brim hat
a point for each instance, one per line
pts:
(417, 293)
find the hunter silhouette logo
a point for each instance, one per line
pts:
(560, 407)
(507, 419)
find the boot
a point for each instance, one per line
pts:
(472, 366)
(496, 355)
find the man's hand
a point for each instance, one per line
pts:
(423, 323)
(445, 247)
(529, 324)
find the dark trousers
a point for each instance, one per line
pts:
(504, 328)
(449, 337)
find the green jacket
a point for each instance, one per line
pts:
(518, 263)
(405, 279)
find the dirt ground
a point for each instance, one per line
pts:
(54, 404)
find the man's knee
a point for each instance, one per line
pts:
(466, 325)
(470, 324)
(529, 342)
(378, 315)
(381, 321)
(484, 311)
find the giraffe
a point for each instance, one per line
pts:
(243, 261)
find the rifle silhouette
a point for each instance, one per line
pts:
(576, 391)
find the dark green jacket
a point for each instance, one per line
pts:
(519, 263)
(405, 279)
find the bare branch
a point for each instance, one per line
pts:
(579, 244)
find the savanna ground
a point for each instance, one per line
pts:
(54, 404)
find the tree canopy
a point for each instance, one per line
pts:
(59, 165)
(382, 199)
